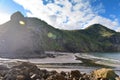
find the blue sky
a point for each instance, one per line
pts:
(9, 6)
(66, 14)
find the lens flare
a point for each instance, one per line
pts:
(51, 35)
(22, 22)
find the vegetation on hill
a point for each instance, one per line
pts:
(95, 38)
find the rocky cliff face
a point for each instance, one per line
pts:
(30, 35)
(16, 40)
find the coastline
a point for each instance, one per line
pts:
(62, 62)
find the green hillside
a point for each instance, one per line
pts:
(95, 38)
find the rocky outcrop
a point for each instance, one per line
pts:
(104, 74)
(75, 74)
(17, 16)
(29, 71)
(3, 71)
(24, 71)
(17, 41)
(56, 76)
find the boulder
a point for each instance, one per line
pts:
(45, 74)
(24, 71)
(104, 74)
(56, 76)
(52, 72)
(3, 71)
(63, 73)
(20, 77)
(117, 78)
(75, 74)
(85, 77)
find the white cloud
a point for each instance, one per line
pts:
(4, 17)
(118, 29)
(99, 8)
(80, 15)
(104, 21)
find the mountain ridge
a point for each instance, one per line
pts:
(95, 38)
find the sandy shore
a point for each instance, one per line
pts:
(62, 62)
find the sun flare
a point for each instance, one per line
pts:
(22, 22)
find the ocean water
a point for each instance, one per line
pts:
(110, 59)
(115, 56)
